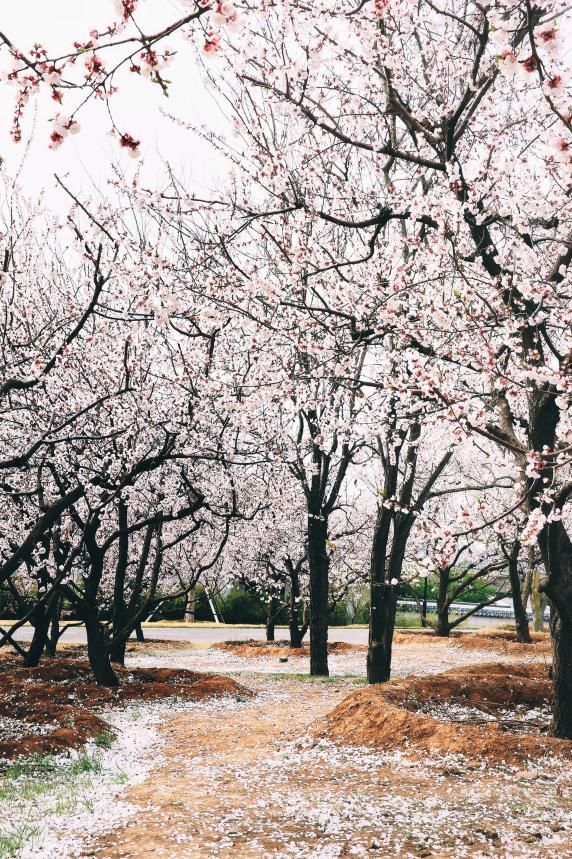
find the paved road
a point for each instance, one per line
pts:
(205, 635)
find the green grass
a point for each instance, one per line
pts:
(12, 841)
(307, 678)
(58, 783)
(104, 740)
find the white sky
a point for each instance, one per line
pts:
(85, 158)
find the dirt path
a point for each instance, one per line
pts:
(245, 781)
(205, 797)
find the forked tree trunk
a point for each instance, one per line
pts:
(319, 563)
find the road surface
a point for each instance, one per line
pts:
(207, 635)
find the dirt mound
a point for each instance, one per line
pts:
(503, 641)
(53, 704)
(134, 648)
(252, 649)
(390, 716)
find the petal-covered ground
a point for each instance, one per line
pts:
(245, 777)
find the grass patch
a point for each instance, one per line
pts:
(104, 740)
(12, 841)
(307, 678)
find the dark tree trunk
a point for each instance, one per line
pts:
(442, 627)
(297, 632)
(41, 622)
(381, 625)
(117, 651)
(97, 652)
(271, 619)
(319, 564)
(556, 549)
(520, 617)
(561, 675)
(383, 603)
(54, 634)
(139, 632)
(119, 609)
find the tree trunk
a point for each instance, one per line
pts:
(190, 606)
(319, 564)
(54, 634)
(41, 622)
(381, 624)
(520, 616)
(119, 608)
(562, 675)
(297, 633)
(117, 651)
(271, 619)
(139, 632)
(538, 601)
(97, 652)
(443, 627)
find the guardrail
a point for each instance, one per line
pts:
(463, 608)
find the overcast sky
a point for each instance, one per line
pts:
(86, 157)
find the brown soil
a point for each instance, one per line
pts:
(252, 649)
(151, 646)
(503, 641)
(498, 640)
(60, 695)
(386, 716)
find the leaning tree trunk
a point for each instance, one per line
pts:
(319, 563)
(41, 621)
(139, 635)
